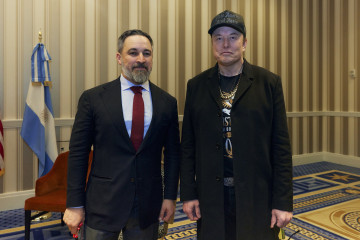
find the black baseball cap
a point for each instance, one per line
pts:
(230, 19)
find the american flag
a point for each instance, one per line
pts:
(2, 165)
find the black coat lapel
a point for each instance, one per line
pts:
(213, 86)
(111, 97)
(246, 80)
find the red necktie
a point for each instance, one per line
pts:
(137, 127)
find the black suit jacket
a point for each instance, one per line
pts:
(119, 172)
(262, 161)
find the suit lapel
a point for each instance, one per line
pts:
(111, 97)
(156, 105)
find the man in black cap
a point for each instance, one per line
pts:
(236, 169)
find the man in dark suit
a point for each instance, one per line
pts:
(236, 168)
(128, 122)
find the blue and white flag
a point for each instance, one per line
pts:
(38, 127)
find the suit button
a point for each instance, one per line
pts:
(219, 114)
(132, 179)
(217, 178)
(217, 146)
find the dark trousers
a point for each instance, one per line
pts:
(230, 213)
(131, 231)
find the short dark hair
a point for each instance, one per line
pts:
(129, 33)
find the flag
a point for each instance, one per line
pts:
(38, 127)
(2, 164)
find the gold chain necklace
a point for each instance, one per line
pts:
(229, 95)
(226, 95)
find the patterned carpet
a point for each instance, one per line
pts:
(326, 203)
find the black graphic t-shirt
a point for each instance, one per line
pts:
(227, 84)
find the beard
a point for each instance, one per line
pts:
(138, 76)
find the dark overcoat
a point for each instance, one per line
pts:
(119, 171)
(262, 160)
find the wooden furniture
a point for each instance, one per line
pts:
(50, 192)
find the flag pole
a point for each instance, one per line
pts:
(46, 215)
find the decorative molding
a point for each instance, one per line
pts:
(14, 200)
(17, 123)
(308, 158)
(347, 160)
(323, 114)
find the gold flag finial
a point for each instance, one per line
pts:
(40, 36)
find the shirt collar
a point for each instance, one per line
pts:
(126, 84)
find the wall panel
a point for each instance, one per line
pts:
(112, 36)
(2, 19)
(312, 45)
(153, 31)
(181, 52)
(11, 86)
(67, 65)
(91, 44)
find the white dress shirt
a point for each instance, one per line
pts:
(127, 97)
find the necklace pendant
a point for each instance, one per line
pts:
(229, 95)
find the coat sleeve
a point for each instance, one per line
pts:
(188, 189)
(281, 157)
(80, 145)
(172, 155)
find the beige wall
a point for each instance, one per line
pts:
(312, 44)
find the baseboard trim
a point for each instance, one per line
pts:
(351, 161)
(14, 200)
(308, 158)
(347, 160)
